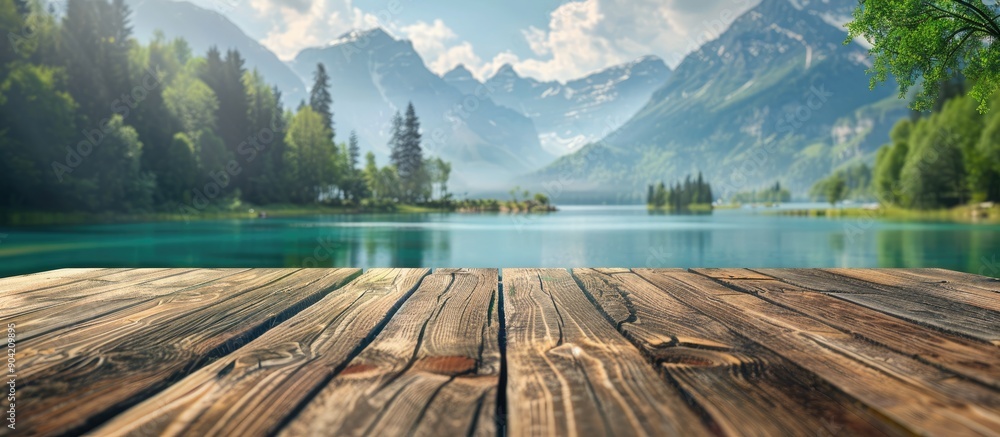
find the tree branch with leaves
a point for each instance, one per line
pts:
(931, 41)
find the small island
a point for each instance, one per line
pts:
(690, 196)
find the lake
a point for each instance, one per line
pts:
(576, 236)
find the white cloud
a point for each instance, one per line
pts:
(589, 35)
(298, 24)
(437, 44)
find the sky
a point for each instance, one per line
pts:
(543, 39)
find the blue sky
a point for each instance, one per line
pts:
(545, 39)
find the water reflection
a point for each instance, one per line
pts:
(573, 237)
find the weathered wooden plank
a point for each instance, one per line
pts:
(985, 283)
(431, 371)
(914, 395)
(14, 304)
(570, 372)
(936, 312)
(727, 377)
(75, 378)
(255, 389)
(899, 279)
(41, 280)
(51, 312)
(971, 359)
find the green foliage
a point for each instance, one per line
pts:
(114, 179)
(225, 77)
(32, 153)
(851, 182)
(934, 174)
(835, 189)
(309, 157)
(944, 160)
(192, 103)
(407, 155)
(181, 169)
(320, 100)
(931, 41)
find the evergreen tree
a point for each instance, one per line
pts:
(225, 77)
(410, 157)
(99, 71)
(396, 140)
(152, 118)
(353, 151)
(319, 98)
(370, 174)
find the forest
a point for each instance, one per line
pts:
(947, 157)
(95, 121)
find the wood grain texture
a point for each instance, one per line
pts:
(728, 377)
(433, 369)
(45, 311)
(971, 359)
(255, 389)
(41, 280)
(571, 373)
(943, 289)
(912, 305)
(918, 397)
(984, 283)
(30, 299)
(76, 378)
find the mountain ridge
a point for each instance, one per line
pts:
(777, 96)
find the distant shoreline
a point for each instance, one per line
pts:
(977, 213)
(48, 218)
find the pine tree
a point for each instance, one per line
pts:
(409, 159)
(396, 140)
(225, 77)
(353, 151)
(319, 98)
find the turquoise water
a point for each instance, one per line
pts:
(573, 237)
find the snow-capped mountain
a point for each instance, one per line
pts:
(570, 115)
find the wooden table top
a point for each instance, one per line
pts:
(291, 352)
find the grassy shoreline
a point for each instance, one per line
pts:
(963, 214)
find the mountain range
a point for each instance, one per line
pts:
(580, 111)
(777, 96)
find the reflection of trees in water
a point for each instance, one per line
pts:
(675, 249)
(326, 247)
(890, 249)
(963, 250)
(418, 247)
